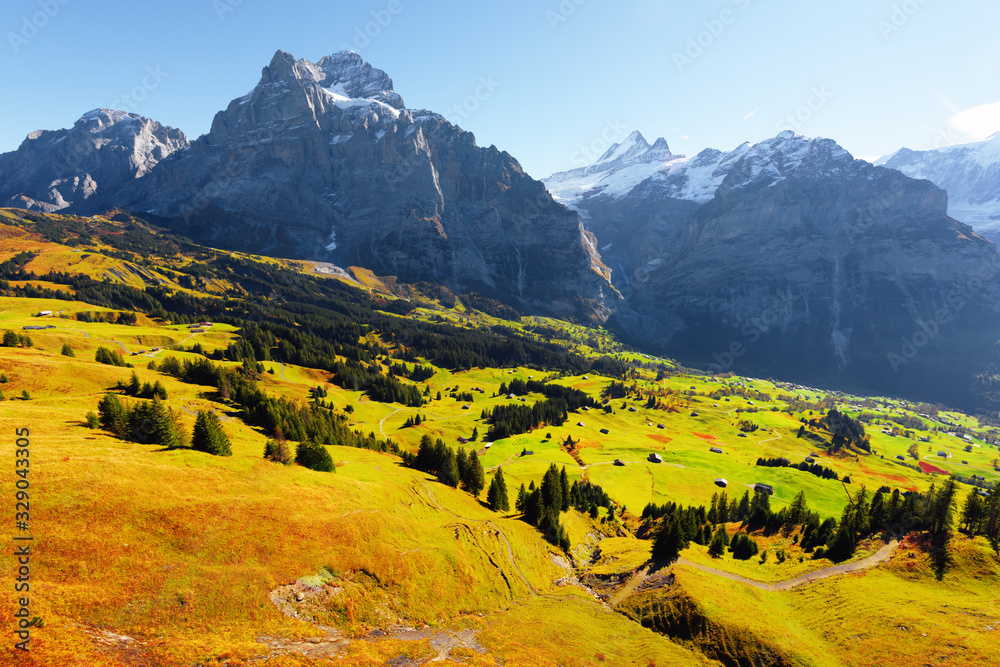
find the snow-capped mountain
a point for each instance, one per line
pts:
(969, 173)
(53, 170)
(625, 166)
(790, 257)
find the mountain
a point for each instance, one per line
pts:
(55, 170)
(969, 173)
(323, 161)
(791, 258)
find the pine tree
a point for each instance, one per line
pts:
(669, 540)
(448, 470)
(720, 540)
(522, 496)
(134, 387)
(209, 437)
(497, 494)
(112, 415)
(564, 487)
(164, 432)
(474, 479)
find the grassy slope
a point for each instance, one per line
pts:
(208, 538)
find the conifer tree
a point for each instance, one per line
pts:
(497, 494)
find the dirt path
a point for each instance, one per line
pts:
(881, 556)
(628, 588)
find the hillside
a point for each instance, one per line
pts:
(148, 554)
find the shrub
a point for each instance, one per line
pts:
(278, 451)
(109, 357)
(311, 454)
(67, 351)
(93, 421)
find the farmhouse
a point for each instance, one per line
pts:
(655, 458)
(605, 431)
(943, 454)
(463, 440)
(721, 482)
(43, 313)
(810, 459)
(619, 462)
(660, 426)
(581, 424)
(527, 452)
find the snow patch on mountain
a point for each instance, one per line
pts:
(969, 173)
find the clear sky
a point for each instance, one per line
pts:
(550, 81)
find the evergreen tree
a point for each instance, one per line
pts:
(522, 497)
(564, 488)
(552, 489)
(164, 431)
(67, 351)
(669, 540)
(497, 494)
(311, 454)
(474, 479)
(719, 542)
(448, 470)
(112, 415)
(209, 437)
(134, 387)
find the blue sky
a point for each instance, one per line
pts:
(550, 81)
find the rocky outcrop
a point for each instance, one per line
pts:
(323, 161)
(83, 165)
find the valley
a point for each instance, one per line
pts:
(153, 554)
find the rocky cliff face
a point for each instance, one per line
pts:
(969, 173)
(81, 166)
(793, 259)
(323, 161)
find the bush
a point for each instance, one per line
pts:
(312, 455)
(67, 351)
(278, 451)
(25, 396)
(93, 421)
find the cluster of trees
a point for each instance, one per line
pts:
(574, 398)
(418, 373)
(844, 431)
(981, 516)
(137, 389)
(109, 357)
(513, 419)
(453, 468)
(111, 317)
(491, 307)
(279, 417)
(543, 505)
(812, 468)
(741, 545)
(14, 339)
(146, 422)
